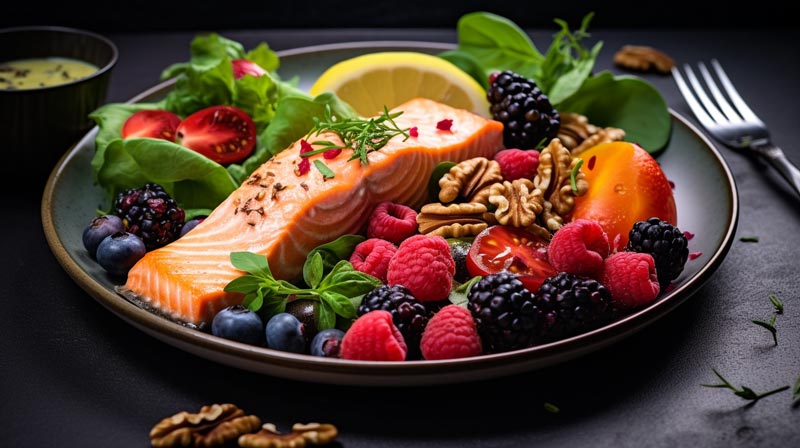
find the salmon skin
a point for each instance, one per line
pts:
(284, 215)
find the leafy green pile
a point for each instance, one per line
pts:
(282, 114)
(488, 43)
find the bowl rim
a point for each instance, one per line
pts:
(66, 30)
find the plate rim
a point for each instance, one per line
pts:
(272, 362)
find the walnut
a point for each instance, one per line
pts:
(301, 435)
(577, 134)
(518, 202)
(606, 135)
(470, 180)
(642, 58)
(214, 425)
(554, 180)
(453, 220)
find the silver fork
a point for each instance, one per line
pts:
(735, 125)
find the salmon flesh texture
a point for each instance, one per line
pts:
(283, 215)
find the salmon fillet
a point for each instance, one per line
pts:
(283, 215)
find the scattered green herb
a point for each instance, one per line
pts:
(337, 291)
(769, 326)
(796, 392)
(551, 408)
(324, 169)
(744, 392)
(749, 239)
(776, 302)
(574, 174)
(361, 135)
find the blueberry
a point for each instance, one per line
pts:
(190, 224)
(286, 333)
(238, 323)
(118, 253)
(327, 343)
(98, 229)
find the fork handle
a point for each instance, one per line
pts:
(784, 166)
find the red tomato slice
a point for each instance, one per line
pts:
(243, 67)
(224, 134)
(159, 123)
(505, 248)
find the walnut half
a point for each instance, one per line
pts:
(643, 58)
(214, 425)
(469, 180)
(578, 135)
(554, 179)
(301, 436)
(452, 220)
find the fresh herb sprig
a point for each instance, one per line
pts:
(337, 292)
(796, 392)
(362, 135)
(744, 392)
(770, 326)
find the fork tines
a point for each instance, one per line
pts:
(719, 110)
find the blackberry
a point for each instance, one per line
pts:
(570, 305)
(504, 311)
(409, 315)
(526, 113)
(150, 213)
(665, 242)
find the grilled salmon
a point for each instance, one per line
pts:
(283, 214)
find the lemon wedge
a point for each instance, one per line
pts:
(374, 80)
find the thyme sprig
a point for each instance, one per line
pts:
(361, 135)
(770, 326)
(743, 392)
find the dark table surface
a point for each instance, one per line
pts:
(74, 374)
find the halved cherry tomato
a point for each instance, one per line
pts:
(157, 123)
(224, 134)
(506, 248)
(243, 67)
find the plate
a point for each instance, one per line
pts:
(705, 193)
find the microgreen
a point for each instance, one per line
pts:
(337, 291)
(574, 174)
(459, 295)
(776, 302)
(743, 392)
(361, 135)
(749, 239)
(551, 408)
(796, 392)
(770, 326)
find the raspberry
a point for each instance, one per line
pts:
(579, 248)
(372, 257)
(631, 279)
(517, 163)
(425, 266)
(451, 334)
(373, 337)
(392, 222)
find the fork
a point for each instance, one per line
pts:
(734, 125)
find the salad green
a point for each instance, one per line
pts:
(488, 43)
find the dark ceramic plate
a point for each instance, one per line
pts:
(704, 191)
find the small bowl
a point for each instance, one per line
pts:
(40, 124)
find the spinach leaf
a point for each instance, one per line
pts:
(295, 115)
(497, 43)
(332, 253)
(625, 102)
(197, 183)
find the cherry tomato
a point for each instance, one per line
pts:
(224, 134)
(506, 248)
(157, 123)
(243, 67)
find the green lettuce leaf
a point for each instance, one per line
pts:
(197, 183)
